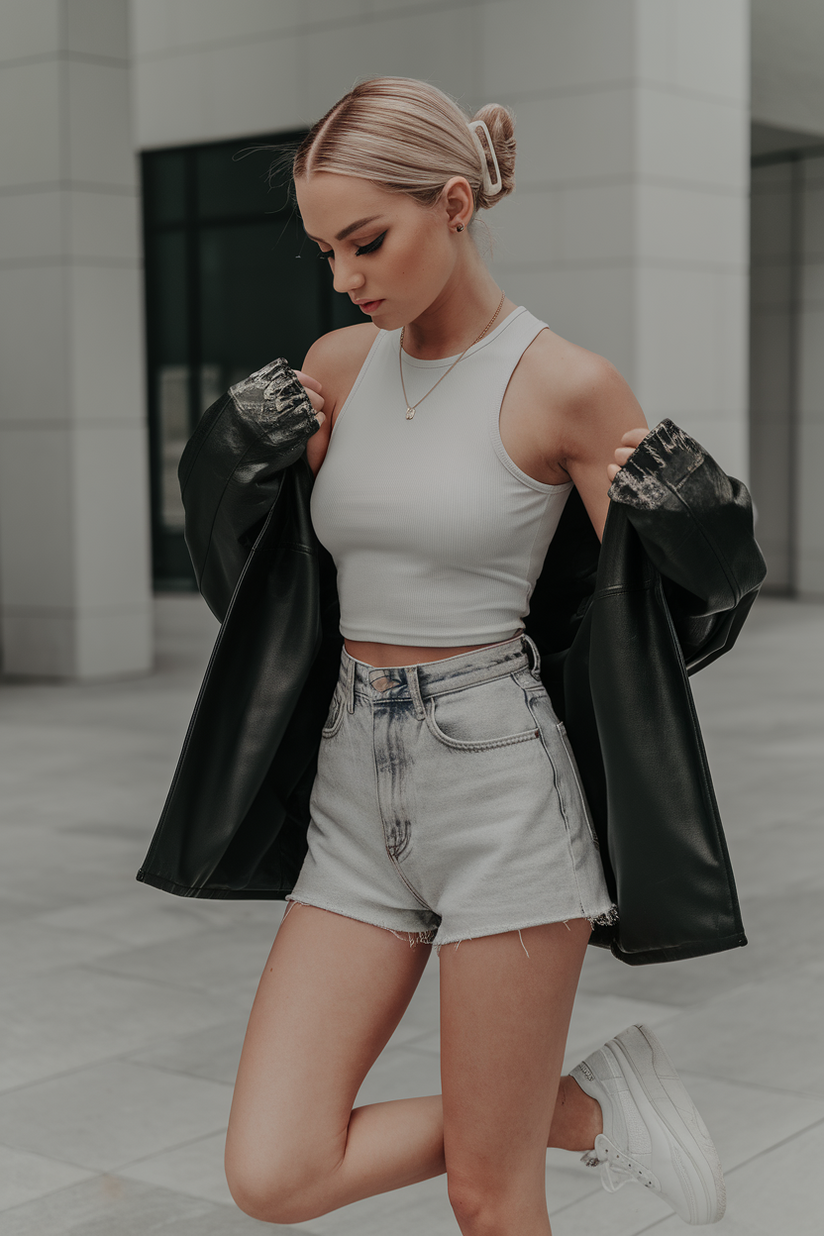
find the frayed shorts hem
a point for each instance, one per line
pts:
(432, 936)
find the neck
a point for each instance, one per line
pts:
(458, 315)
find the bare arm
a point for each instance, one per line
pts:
(601, 425)
(333, 362)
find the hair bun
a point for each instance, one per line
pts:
(501, 124)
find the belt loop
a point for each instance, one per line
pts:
(349, 685)
(415, 691)
(534, 655)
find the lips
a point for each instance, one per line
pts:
(369, 306)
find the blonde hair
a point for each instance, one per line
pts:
(409, 137)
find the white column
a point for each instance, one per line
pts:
(628, 232)
(74, 546)
(809, 496)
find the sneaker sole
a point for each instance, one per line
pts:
(651, 1076)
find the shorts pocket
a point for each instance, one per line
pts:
(577, 784)
(335, 718)
(562, 758)
(481, 717)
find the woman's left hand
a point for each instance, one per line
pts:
(628, 444)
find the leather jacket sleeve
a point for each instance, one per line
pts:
(232, 469)
(696, 526)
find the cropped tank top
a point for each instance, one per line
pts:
(437, 535)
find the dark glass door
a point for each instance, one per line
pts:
(225, 293)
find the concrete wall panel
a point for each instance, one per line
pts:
(30, 29)
(30, 153)
(575, 137)
(36, 481)
(74, 581)
(34, 345)
(99, 136)
(110, 477)
(692, 140)
(550, 47)
(96, 28)
(438, 47)
(223, 92)
(106, 361)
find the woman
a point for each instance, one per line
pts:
(446, 435)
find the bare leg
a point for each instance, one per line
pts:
(332, 993)
(504, 1023)
(577, 1119)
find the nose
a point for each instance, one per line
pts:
(347, 278)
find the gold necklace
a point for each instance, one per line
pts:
(410, 407)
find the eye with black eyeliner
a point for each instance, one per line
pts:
(327, 255)
(372, 246)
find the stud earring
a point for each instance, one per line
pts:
(459, 228)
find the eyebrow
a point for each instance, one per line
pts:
(347, 231)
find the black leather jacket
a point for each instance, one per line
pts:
(618, 631)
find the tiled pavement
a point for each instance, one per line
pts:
(122, 1009)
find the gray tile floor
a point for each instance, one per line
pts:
(122, 1009)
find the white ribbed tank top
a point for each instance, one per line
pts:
(437, 535)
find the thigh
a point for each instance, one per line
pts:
(504, 1022)
(331, 994)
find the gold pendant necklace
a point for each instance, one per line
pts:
(411, 407)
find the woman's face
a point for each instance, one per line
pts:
(390, 255)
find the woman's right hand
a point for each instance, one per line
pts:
(317, 445)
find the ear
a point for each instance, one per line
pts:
(457, 202)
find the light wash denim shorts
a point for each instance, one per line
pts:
(447, 803)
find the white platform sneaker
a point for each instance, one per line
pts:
(653, 1134)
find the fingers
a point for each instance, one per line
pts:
(313, 388)
(632, 439)
(622, 455)
(311, 384)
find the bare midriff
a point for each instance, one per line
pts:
(384, 656)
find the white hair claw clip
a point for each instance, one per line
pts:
(491, 186)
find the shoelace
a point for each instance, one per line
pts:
(617, 1170)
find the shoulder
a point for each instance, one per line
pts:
(336, 360)
(570, 374)
(580, 395)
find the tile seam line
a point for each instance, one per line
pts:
(119, 1058)
(731, 1172)
(94, 1174)
(166, 984)
(117, 1167)
(62, 54)
(762, 1087)
(38, 1154)
(191, 1141)
(91, 1174)
(785, 1091)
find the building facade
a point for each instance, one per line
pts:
(148, 133)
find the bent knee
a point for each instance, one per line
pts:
(276, 1193)
(483, 1208)
(268, 1199)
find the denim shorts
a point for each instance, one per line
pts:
(447, 804)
